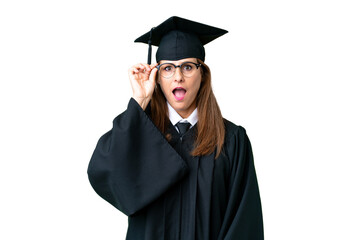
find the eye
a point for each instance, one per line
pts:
(187, 67)
(167, 68)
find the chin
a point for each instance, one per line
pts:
(180, 106)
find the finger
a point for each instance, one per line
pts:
(140, 67)
(153, 74)
(133, 70)
(153, 65)
(147, 68)
(137, 68)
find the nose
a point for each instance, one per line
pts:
(178, 75)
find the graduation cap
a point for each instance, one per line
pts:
(179, 38)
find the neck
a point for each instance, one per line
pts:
(174, 116)
(187, 112)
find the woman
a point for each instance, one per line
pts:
(171, 162)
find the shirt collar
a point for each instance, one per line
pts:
(175, 117)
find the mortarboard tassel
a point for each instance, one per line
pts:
(149, 51)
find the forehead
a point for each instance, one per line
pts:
(179, 62)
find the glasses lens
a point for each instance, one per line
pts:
(188, 69)
(167, 70)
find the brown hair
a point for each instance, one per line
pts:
(210, 126)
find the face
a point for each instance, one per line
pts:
(181, 91)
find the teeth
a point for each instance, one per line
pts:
(179, 89)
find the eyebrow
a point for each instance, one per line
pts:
(162, 62)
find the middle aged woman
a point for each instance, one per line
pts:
(171, 162)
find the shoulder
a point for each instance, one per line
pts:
(233, 131)
(236, 144)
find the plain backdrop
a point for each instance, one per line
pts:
(287, 71)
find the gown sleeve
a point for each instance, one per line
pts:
(133, 164)
(243, 216)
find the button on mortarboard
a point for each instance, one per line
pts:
(179, 38)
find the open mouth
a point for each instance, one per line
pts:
(179, 93)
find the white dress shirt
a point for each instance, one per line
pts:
(175, 117)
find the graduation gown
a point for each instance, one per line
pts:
(168, 194)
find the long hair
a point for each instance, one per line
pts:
(210, 126)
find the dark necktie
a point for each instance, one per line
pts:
(183, 127)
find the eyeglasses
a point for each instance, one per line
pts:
(167, 70)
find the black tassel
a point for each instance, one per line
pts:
(149, 51)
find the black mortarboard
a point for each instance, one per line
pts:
(179, 38)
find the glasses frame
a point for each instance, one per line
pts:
(177, 66)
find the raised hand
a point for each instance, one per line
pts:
(142, 78)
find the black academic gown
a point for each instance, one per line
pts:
(169, 194)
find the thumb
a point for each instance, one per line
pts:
(153, 74)
(153, 65)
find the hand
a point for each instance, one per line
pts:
(142, 79)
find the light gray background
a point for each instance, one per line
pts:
(288, 71)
